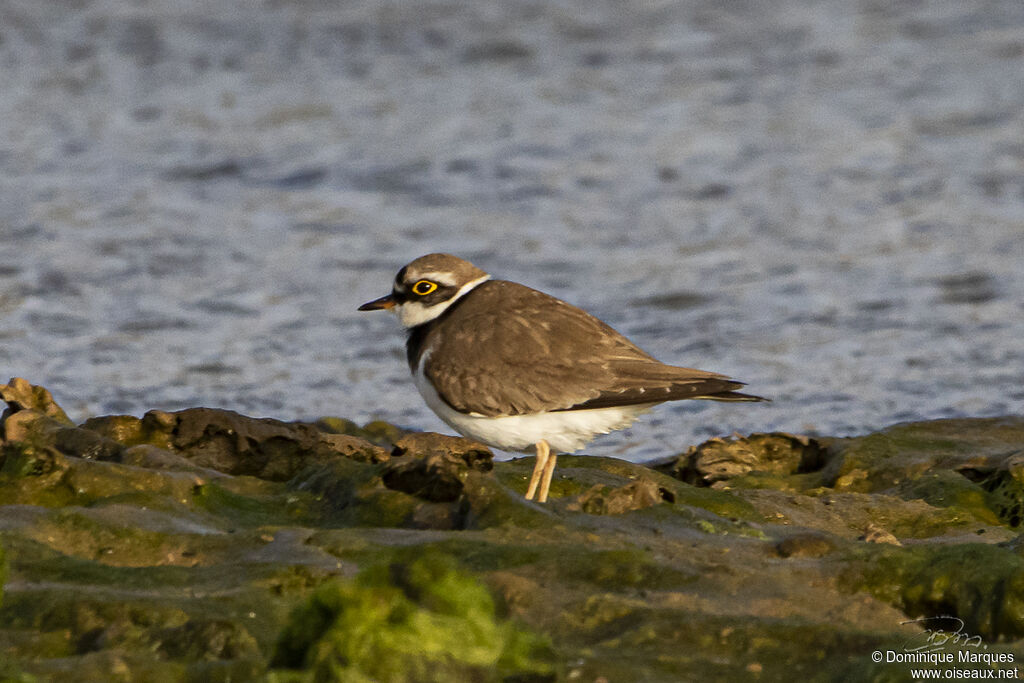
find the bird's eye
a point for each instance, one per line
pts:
(424, 287)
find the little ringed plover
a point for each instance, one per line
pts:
(518, 369)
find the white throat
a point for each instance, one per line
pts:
(413, 313)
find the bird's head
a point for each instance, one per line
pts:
(426, 287)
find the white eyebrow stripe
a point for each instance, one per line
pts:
(445, 279)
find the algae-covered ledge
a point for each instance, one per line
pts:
(206, 545)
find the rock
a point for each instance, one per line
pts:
(153, 458)
(128, 552)
(35, 469)
(262, 447)
(719, 459)
(127, 430)
(20, 395)
(439, 515)
(210, 439)
(891, 458)
(805, 545)
(30, 426)
(3, 573)
(376, 432)
(436, 477)
(206, 639)
(355, 448)
(84, 443)
(637, 495)
(1004, 484)
(982, 585)
(876, 534)
(517, 593)
(473, 454)
(434, 466)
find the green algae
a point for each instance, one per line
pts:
(892, 456)
(623, 568)
(721, 503)
(377, 432)
(420, 620)
(630, 639)
(961, 497)
(32, 475)
(1004, 490)
(983, 585)
(250, 508)
(795, 483)
(153, 429)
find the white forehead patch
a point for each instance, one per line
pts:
(441, 278)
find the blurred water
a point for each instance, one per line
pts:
(825, 199)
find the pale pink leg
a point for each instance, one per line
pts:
(545, 484)
(543, 451)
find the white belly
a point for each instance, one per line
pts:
(565, 431)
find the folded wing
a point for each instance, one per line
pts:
(524, 352)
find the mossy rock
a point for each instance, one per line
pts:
(730, 459)
(887, 459)
(3, 572)
(377, 432)
(982, 585)
(412, 621)
(175, 547)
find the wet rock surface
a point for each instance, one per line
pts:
(720, 459)
(207, 545)
(434, 466)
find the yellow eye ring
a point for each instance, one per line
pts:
(424, 287)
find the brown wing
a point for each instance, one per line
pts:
(655, 384)
(524, 352)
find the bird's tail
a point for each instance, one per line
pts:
(732, 396)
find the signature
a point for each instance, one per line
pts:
(938, 633)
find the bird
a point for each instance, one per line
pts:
(520, 370)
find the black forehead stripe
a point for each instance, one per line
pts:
(401, 275)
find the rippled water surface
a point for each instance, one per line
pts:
(824, 199)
